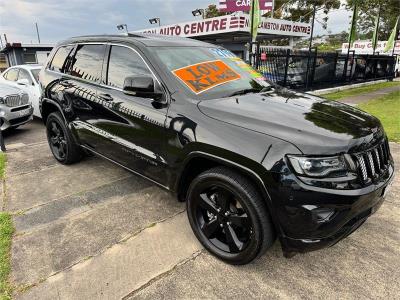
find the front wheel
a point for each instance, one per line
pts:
(60, 139)
(228, 216)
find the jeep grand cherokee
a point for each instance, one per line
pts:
(252, 160)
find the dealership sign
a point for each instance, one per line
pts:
(366, 47)
(243, 5)
(228, 24)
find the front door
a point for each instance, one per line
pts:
(31, 89)
(137, 126)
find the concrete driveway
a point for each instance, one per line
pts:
(95, 231)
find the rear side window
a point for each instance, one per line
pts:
(123, 63)
(59, 61)
(88, 62)
(11, 75)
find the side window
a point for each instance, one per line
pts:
(12, 75)
(23, 74)
(88, 62)
(59, 61)
(124, 62)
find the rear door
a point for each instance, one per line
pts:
(137, 126)
(80, 95)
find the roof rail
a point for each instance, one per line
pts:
(134, 34)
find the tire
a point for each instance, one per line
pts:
(61, 142)
(229, 216)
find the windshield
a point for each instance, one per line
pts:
(209, 73)
(35, 73)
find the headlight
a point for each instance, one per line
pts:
(318, 166)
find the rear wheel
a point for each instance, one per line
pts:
(228, 216)
(60, 139)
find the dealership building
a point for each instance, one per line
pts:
(19, 54)
(233, 31)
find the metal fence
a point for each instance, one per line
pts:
(305, 70)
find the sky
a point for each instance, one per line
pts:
(60, 19)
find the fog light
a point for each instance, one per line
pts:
(322, 215)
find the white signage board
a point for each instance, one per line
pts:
(365, 47)
(230, 23)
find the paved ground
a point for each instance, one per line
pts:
(353, 100)
(94, 231)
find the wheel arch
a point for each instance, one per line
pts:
(198, 162)
(49, 106)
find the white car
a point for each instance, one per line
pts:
(26, 78)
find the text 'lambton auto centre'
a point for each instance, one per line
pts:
(232, 31)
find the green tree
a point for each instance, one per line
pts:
(368, 10)
(302, 10)
(212, 11)
(299, 10)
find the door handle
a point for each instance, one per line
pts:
(106, 97)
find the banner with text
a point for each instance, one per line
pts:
(366, 47)
(230, 24)
(243, 5)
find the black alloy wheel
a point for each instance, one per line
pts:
(60, 139)
(228, 216)
(222, 219)
(57, 140)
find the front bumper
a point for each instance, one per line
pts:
(15, 116)
(312, 218)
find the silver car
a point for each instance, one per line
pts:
(15, 108)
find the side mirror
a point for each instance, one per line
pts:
(141, 86)
(23, 81)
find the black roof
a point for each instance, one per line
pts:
(150, 40)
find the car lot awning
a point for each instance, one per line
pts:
(232, 28)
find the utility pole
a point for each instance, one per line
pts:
(312, 25)
(251, 32)
(310, 46)
(37, 32)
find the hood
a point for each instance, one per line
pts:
(312, 124)
(6, 90)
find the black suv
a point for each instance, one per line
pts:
(252, 160)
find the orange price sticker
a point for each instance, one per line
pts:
(206, 75)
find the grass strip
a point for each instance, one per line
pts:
(361, 90)
(386, 109)
(6, 231)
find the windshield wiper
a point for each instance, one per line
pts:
(248, 91)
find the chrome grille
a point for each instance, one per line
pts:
(374, 162)
(362, 167)
(378, 160)
(371, 163)
(16, 100)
